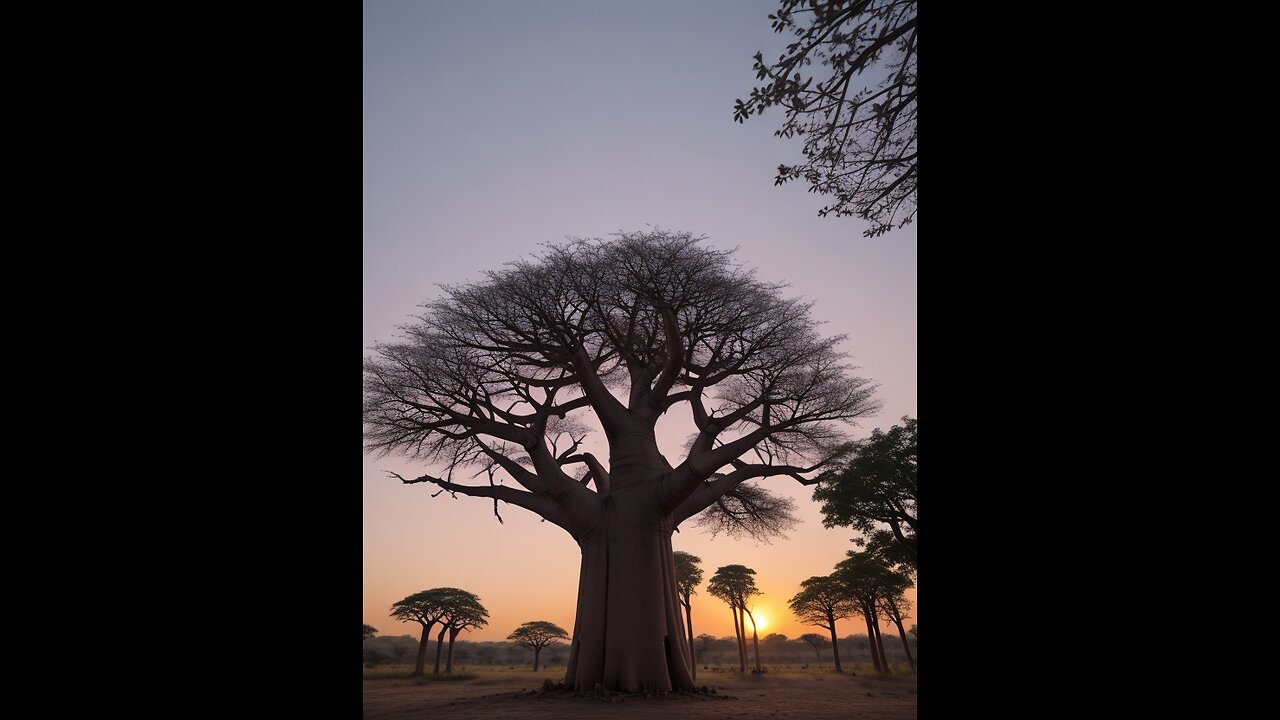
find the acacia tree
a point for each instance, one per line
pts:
(860, 142)
(537, 635)
(688, 578)
(867, 578)
(821, 601)
(878, 486)
(736, 584)
(499, 374)
(370, 631)
(463, 612)
(426, 609)
(816, 641)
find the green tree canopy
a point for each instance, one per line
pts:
(878, 487)
(859, 121)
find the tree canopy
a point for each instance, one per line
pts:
(859, 120)
(734, 584)
(504, 378)
(370, 631)
(494, 374)
(688, 574)
(878, 486)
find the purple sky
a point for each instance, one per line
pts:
(491, 127)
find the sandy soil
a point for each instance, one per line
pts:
(781, 695)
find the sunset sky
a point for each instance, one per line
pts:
(493, 126)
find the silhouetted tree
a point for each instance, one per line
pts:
(495, 374)
(817, 642)
(463, 612)
(736, 584)
(860, 137)
(894, 604)
(370, 631)
(688, 578)
(877, 486)
(537, 635)
(867, 578)
(426, 609)
(821, 601)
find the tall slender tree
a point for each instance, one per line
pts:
(821, 601)
(688, 578)
(499, 374)
(736, 585)
(867, 578)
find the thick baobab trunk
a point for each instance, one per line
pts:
(835, 644)
(884, 661)
(422, 649)
(693, 657)
(439, 647)
(453, 634)
(871, 641)
(905, 645)
(628, 635)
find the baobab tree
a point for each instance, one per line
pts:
(500, 375)
(816, 641)
(537, 635)
(821, 601)
(688, 578)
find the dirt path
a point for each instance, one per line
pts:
(806, 698)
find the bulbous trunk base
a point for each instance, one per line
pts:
(628, 635)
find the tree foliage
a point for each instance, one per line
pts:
(537, 634)
(688, 574)
(492, 376)
(370, 631)
(859, 121)
(878, 487)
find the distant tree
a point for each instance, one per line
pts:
(502, 376)
(867, 578)
(425, 608)
(817, 641)
(537, 635)
(860, 142)
(370, 631)
(912, 630)
(895, 606)
(877, 486)
(821, 601)
(463, 611)
(688, 578)
(703, 644)
(736, 585)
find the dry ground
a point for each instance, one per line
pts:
(502, 694)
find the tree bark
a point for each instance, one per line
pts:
(835, 646)
(871, 641)
(905, 645)
(422, 648)
(693, 655)
(537, 650)
(439, 647)
(628, 634)
(742, 638)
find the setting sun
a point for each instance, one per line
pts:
(761, 623)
